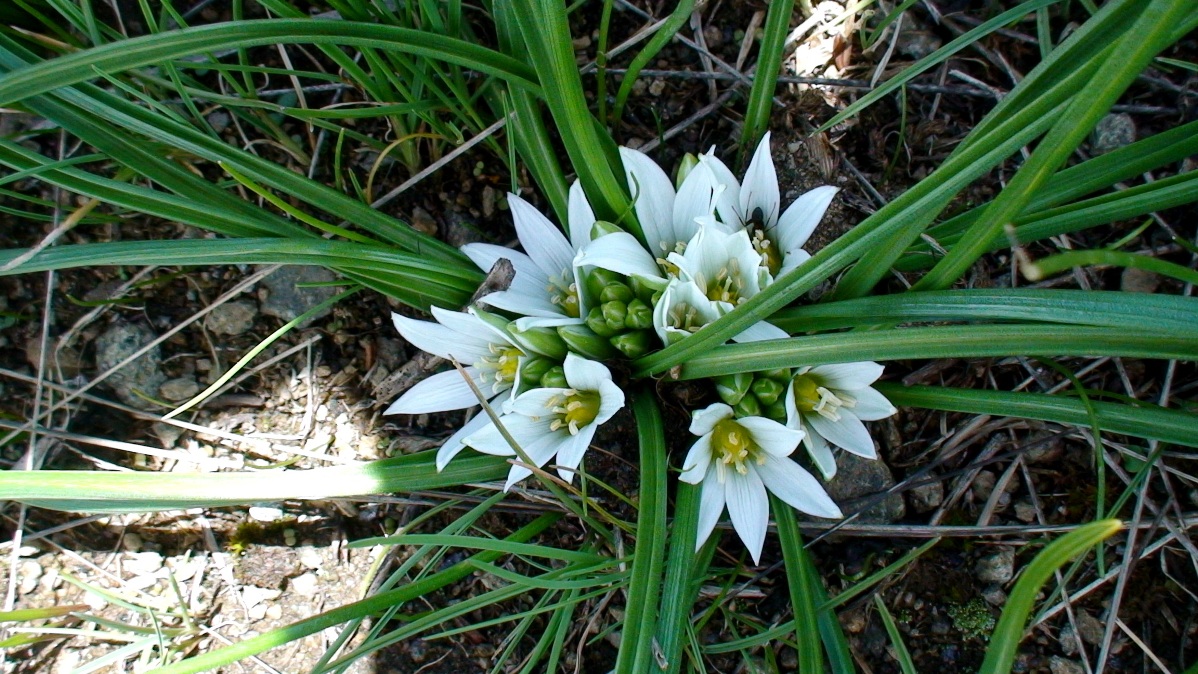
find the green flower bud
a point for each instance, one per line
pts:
(554, 377)
(767, 390)
(639, 316)
(603, 228)
(597, 323)
(597, 279)
(633, 344)
(541, 341)
(733, 387)
(781, 375)
(688, 163)
(615, 292)
(647, 290)
(532, 370)
(614, 313)
(777, 411)
(583, 341)
(747, 407)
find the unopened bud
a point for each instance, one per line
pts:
(633, 344)
(767, 390)
(554, 377)
(639, 316)
(597, 323)
(615, 292)
(688, 163)
(541, 341)
(747, 407)
(733, 387)
(583, 341)
(603, 228)
(614, 314)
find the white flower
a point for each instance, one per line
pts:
(545, 287)
(491, 359)
(755, 205)
(829, 402)
(546, 422)
(737, 460)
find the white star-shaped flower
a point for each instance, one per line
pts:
(561, 422)
(545, 288)
(737, 460)
(829, 402)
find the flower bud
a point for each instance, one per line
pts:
(541, 341)
(781, 375)
(688, 163)
(767, 390)
(633, 344)
(614, 314)
(584, 342)
(777, 411)
(597, 323)
(597, 279)
(639, 316)
(603, 228)
(554, 377)
(747, 407)
(733, 387)
(647, 290)
(532, 370)
(615, 292)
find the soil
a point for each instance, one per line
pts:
(993, 489)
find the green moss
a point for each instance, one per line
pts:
(972, 619)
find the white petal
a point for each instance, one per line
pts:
(791, 260)
(611, 400)
(485, 255)
(703, 421)
(847, 376)
(871, 405)
(524, 430)
(570, 454)
(761, 331)
(581, 217)
(539, 452)
(760, 189)
(749, 508)
(848, 433)
(472, 325)
(528, 304)
(434, 338)
(698, 459)
(771, 436)
(451, 447)
(695, 199)
(619, 252)
(536, 402)
(541, 239)
(728, 201)
(583, 374)
(820, 452)
(439, 393)
(799, 221)
(711, 506)
(528, 322)
(653, 195)
(789, 482)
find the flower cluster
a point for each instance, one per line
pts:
(710, 243)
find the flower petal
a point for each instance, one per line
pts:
(760, 188)
(442, 341)
(536, 402)
(439, 393)
(771, 436)
(703, 421)
(848, 433)
(800, 218)
(711, 506)
(696, 198)
(698, 459)
(472, 325)
(485, 255)
(524, 430)
(791, 260)
(570, 454)
(619, 252)
(581, 217)
(847, 376)
(454, 445)
(653, 196)
(748, 507)
(583, 374)
(761, 331)
(728, 201)
(871, 405)
(541, 239)
(611, 400)
(528, 304)
(820, 452)
(788, 481)
(539, 452)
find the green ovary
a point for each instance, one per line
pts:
(732, 447)
(574, 410)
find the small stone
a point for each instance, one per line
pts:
(219, 121)
(1139, 280)
(143, 563)
(167, 434)
(231, 318)
(1069, 641)
(1059, 665)
(274, 612)
(997, 568)
(30, 572)
(856, 481)
(120, 341)
(657, 87)
(179, 388)
(286, 293)
(1090, 628)
(59, 360)
(304, 585)
(927, 497)
(131, 542)
(265, 514)
(310, 558)
(994, 595)
(423, 222)
(1113, 132)
(916, 41)
(1025, 512)
(983, 485)
(490, 197)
